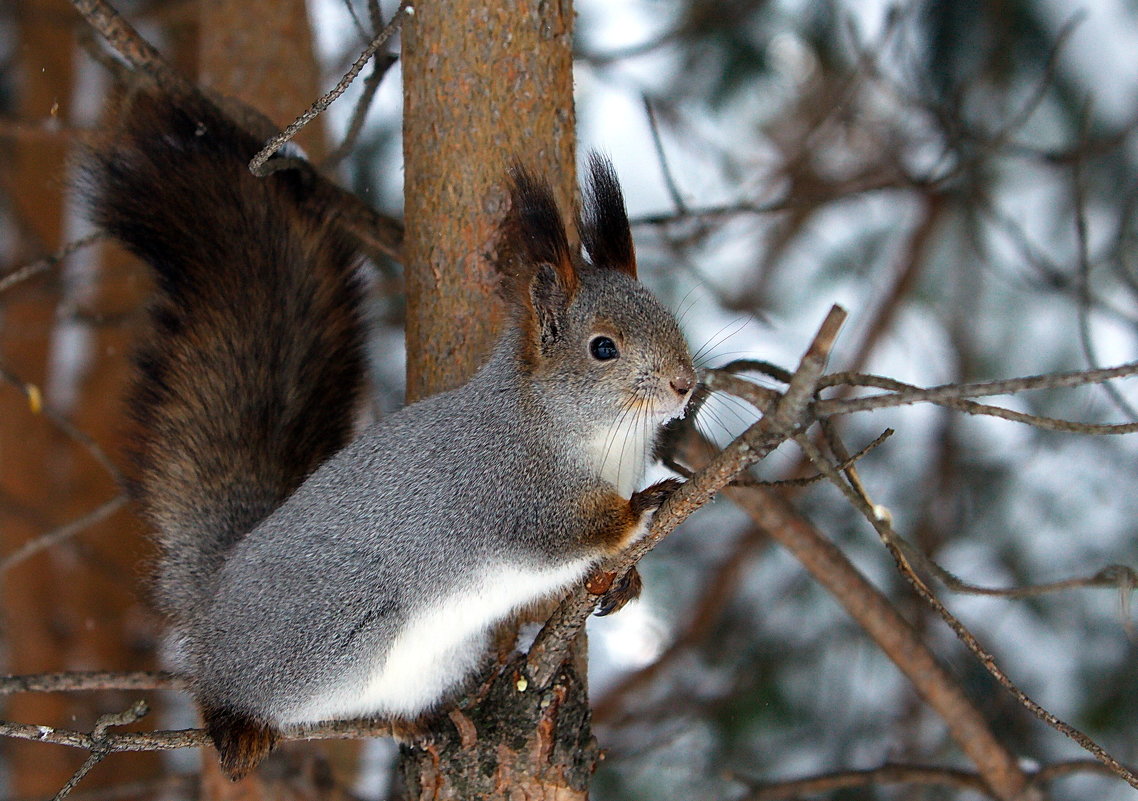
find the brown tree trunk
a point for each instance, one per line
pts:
(261, 52)
(484, 85)
(74, 605)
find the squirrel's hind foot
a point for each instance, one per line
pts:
(414, 732)
(242, 741)
(615, 594)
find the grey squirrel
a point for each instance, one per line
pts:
(311, 578)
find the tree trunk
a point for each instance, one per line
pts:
(75, 604)
(484, 85)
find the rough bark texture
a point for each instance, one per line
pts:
(516, 743)
(484, 85)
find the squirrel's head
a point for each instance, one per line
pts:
(589, 331)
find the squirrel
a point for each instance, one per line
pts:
(310, 576)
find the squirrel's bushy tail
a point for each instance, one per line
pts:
(249, 378)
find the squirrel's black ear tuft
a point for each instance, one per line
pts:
(534, 231)
(604, 221)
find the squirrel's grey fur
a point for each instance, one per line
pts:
(368, 586)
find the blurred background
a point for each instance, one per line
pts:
(961, 176)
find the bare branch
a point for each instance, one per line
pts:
(662, 157)
(258, 165)
(138, 710)
(70, 681)
(1083, 284)
(879, 520)
(35, 402)
(359, 114)
(50, 538)
(948, 392)
(972, 407)
(129, 44)
(871, 777)
(890, 773)
(21, 274)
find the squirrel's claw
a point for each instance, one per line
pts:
(625, 590)
(416, 732)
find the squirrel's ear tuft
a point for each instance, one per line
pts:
(604, 222)
(534, 233)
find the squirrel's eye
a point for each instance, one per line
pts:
(603, 349)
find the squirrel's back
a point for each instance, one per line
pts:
(249, 378)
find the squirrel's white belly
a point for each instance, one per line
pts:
(438, 648)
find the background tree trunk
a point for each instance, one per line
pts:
(74, 606)
(484, 84)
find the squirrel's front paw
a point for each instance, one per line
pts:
(652, 498)
(616, 596)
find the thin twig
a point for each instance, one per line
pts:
(972, 407)
(1083, 284)
(171, 740)
(21, 274)
(359, 113)
(1115, 577)
(258, 164)
(661, 156)
(64, 532)
(923, 775)
(947, 392)
(98, 736)
(35, 402)
(71, 681)
(903, 774)
(1039, 94)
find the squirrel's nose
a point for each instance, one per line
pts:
(683, 382)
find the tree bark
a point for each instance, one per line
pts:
(485, 85)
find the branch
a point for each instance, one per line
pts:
(872, 777)
(548, 651)
(35, 403)
(99, 738)
(258, 165)
(170, 740)
(129, 44)
(881, 621)
(374, 232)
(952, 392)
(91, 680)
(890, 773)
(972, 407)
(64, 532)
(21, 274)
(855, 494)
(1083, 284)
